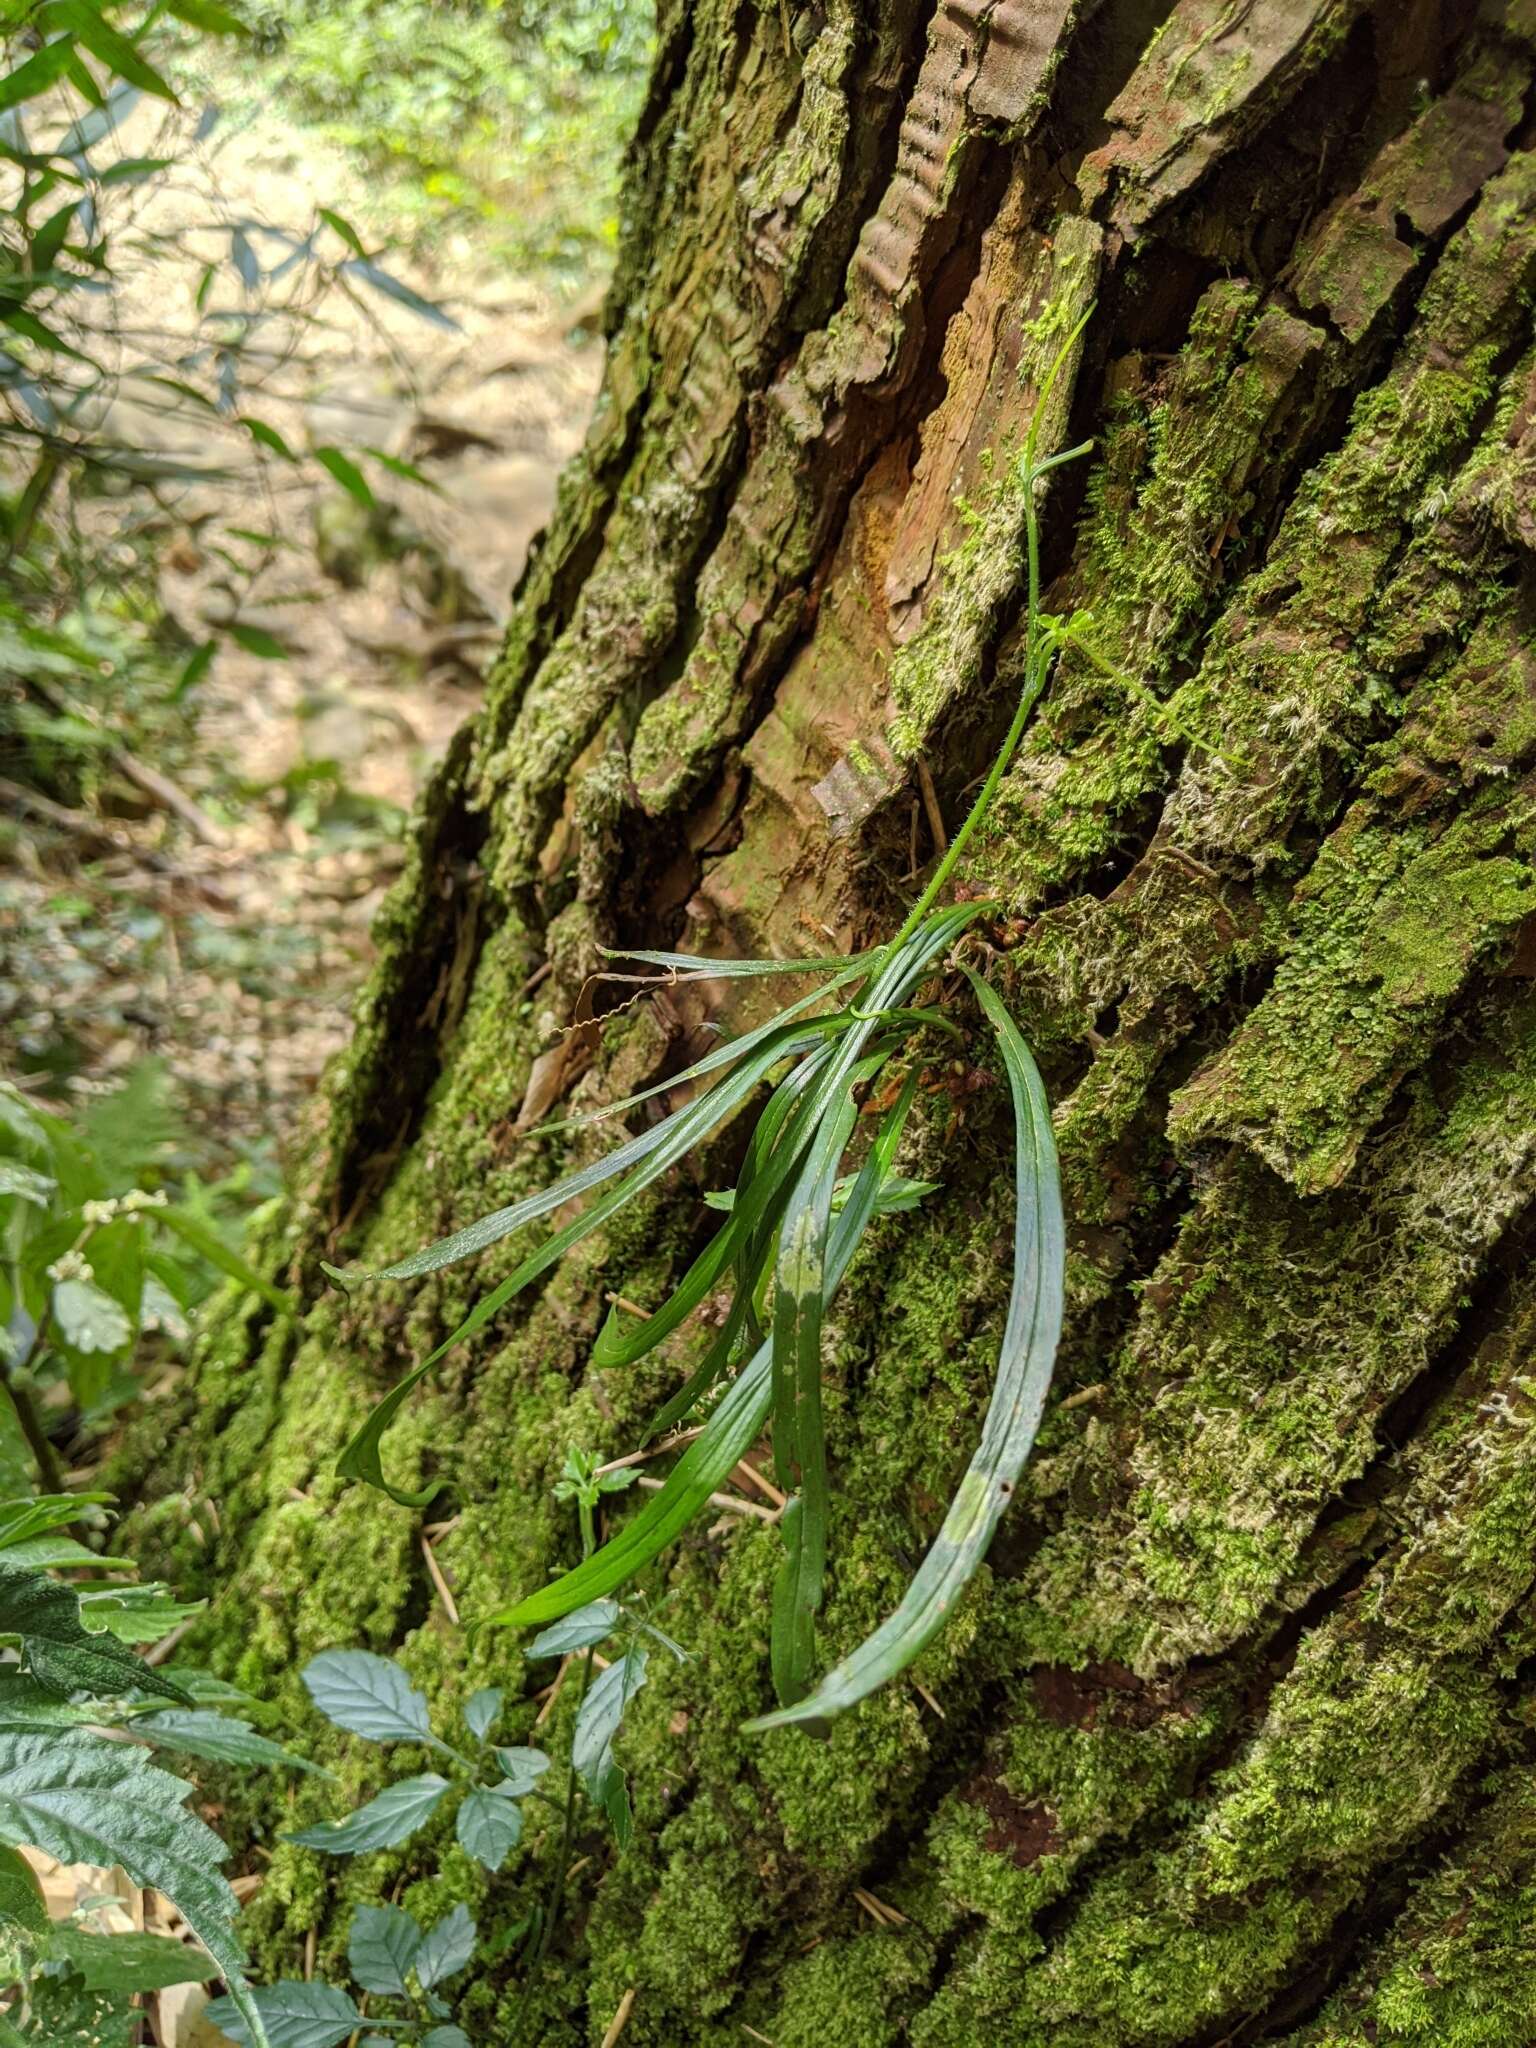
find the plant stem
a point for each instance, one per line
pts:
(1037, 659)
(585, 1511)
(49, 1469)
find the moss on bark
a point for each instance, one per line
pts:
(1228, 1742)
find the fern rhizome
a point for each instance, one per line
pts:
(794, 1223)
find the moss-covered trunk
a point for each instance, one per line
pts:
(1231, 1741)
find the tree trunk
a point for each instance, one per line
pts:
(1230, 1741)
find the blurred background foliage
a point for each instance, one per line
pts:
(296, 329)
(508, 115)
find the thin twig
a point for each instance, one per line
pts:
(444, 1590)
(878, 1911)
(732, 1501)
(551, 1693)
(928, 1699)
(656, 1450)
(931, 808)
(630, 1308)
(620, 2019)
(764, 1486)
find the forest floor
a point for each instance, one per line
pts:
(227, 936)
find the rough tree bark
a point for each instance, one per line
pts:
(1232, 1740)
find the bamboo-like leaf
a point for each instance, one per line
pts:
(1013, 1416)
(675, 1135)
(764, 1174)
(698, 967)
(656, 1152)
(734, 1425)
(800, 1288)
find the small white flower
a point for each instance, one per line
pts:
(71, 1265)
(98, 1212)
(137, 1199)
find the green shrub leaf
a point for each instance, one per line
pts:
(367, 1695)
(490, 1826)
(398, 1811)
(381, 1948)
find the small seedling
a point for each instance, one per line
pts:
(390, 1956)
(372, 1697)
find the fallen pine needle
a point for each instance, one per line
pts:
(444, 1590)
(732, 1501)
(756, 2035)
(630, 1308)
(764, 1486)
(878, 1911)
(621, 2018)
(659, 1450)
(928, 1699)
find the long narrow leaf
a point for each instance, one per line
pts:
(1024, 1370)
(210, 1246)
(723, 1056)
(800, 1281)
(694, 1119)
(764, 1171)
(679, 967)
(737, 1422)
(678, 1136)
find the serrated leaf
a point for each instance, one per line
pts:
(597, 1725)
(294, 2015)
(61, 1653)
(219, 1739)
(129, 1962)
(62, 2013)
(83, 1799)
(367, 1695)
(21, 1896)
(481, 1711)
(578, 1631)
(382, 1947)
(59, 1553)
(524, 1768)
(446, 1948)
(89, 1321)
(489, 1826)
(137, 1614)
(398, 1811)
